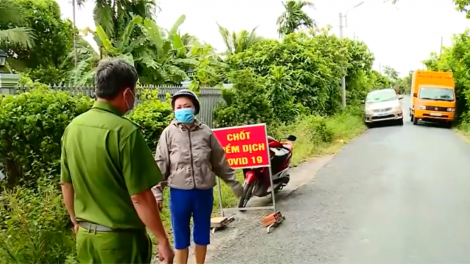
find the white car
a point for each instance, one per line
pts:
(383, 105)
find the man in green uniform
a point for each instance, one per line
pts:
(107, 172)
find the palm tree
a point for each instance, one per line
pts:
(188, 39)
(293, 18)
(159, 57)
(20, 37)
(87, 58)
(238, 41)
(114, 15)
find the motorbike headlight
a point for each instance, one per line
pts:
(421, 107)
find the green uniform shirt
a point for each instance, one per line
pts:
(106, 158)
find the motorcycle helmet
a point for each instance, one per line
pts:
(186, 93)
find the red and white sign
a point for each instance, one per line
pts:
(245, 146)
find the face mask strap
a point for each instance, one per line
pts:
(186, 109)
(127, 103)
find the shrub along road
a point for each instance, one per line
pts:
(394, 195)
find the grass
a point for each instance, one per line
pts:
(316, 136)
(463, 130)
(314, 140)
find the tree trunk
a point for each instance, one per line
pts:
(74, 35)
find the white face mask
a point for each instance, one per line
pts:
(128, 105)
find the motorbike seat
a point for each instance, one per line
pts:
(280, 152)
(287, 145)
(279, 158)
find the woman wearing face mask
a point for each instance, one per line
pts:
(189, 157)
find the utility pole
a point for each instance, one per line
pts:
(442, 43)
(380, 68)
(343, 80)
(340, 25)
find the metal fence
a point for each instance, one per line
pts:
(209, 97)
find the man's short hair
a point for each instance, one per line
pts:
(113, 76)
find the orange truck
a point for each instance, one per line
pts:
(433, 97)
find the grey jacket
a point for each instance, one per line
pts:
(191, 159)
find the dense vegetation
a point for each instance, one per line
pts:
(292, 84)
(456, 60)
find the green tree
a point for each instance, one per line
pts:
(391, 74)
(463, 6)
(279, 84)
(315, 76)
(159, 57)
(87, 58)
(359, 69)
(294, 17)
(246, 103)
(236, 42)
(209, 69)
(456, 59)
(303, 72)
(188, 40)
(165, 60)
(378, 81)
(43, 62)
(404, 84)
(114, 15)
(11, 34)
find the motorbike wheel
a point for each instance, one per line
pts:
(246, 195)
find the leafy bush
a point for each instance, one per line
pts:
(31, 126)
(311, 72)
(34, 226)
(307, 70)
(246, 103)
(318, 135)
(34, 223)
(456, 59)
(279, 83)
(152, 116)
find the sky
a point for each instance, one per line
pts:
(400, 35)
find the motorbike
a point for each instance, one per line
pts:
(257, 182)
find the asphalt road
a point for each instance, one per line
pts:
(394, 195)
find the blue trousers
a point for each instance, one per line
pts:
(184, 204)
